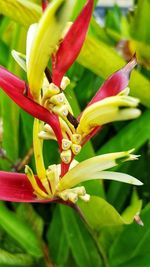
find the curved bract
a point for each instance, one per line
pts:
(72, 43)
(46, 38)
(16, 90)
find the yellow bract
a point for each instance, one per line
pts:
(38, 147)
(110, 109)
(48, 33)
(93, 168)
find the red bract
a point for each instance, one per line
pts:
(72, 43)
(44, 4)
(16, 187)
(16, 90)
(117, 82)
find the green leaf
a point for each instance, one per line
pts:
(140, 32)
(103, 60)
(132, 246)
(99, 213)
(78, 6)
(20, 231)
(105, 220)
(113, 19)
(15, 260)
(10, 111)
(27, 213)
(134, 135)
(48, 33)
(4, 53)
(58, 247)
(99, 32)
(140, 23)
(79, 240)
(133, 209)
(22, 11)
(104, 215)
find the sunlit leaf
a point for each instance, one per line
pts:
(22, 11)
(15, 260)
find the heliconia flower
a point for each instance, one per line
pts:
(45, 100)
(16, 90)
(17, 188)
(71, 44)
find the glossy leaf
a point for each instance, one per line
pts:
(105, 220)
(27, 213)
(100, 214)
(20, 231)
(72, 43)
(80, 246)
(58, 247)
(137, 250)
(133, 209)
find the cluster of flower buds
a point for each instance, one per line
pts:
(55, 101)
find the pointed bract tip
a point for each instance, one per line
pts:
(138, 220)
(130, 65)
(27, 170)
(44, 4)
(133, 156)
